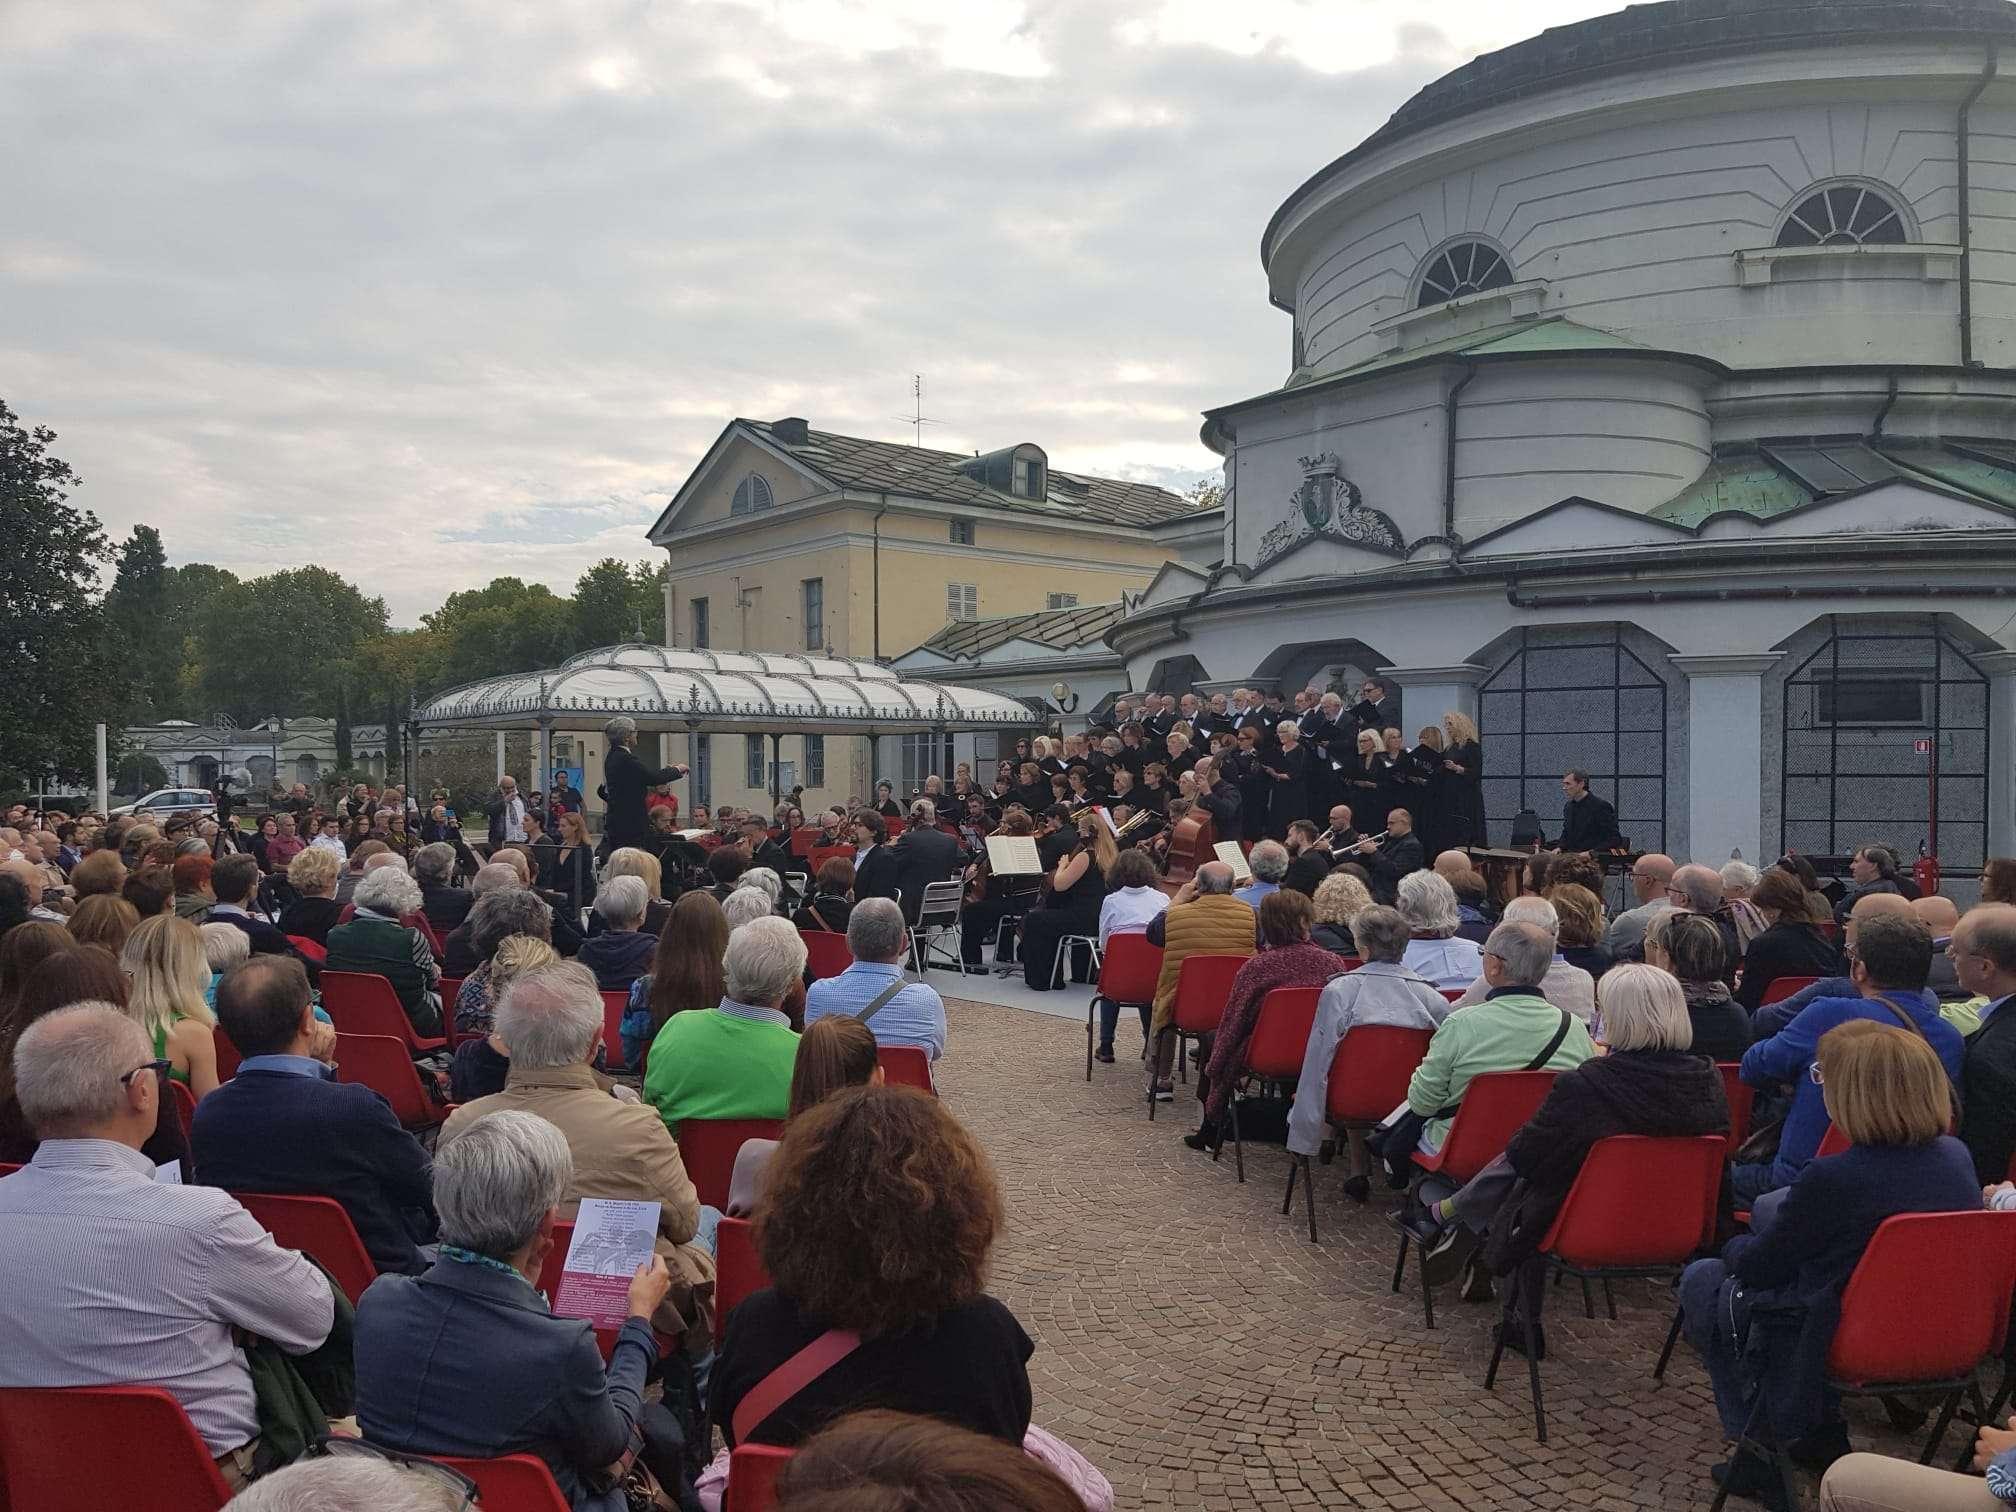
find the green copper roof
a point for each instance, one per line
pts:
(1749, 485)
(1770, 477)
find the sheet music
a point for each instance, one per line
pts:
(1228, 851)
(1013, 856)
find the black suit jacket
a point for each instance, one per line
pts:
(1588, 823)
(875, 874)
(922, 856)
(1306, 872)
(1988, 1095)
(1395, 858)
(625, 780)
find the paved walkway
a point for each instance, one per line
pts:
(1195, 1345)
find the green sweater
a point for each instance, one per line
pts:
(710, 1064)
(1499, 1034)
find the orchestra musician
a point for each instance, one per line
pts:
(1075, 888)
(1308, 857)
(1588, 823)
(1393, 855)
(1218, 798)
(990, 899)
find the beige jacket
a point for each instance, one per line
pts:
(621, 1150)
(1214, 924)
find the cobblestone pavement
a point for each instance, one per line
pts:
(1194, 1344)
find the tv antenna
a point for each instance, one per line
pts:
(917, 419)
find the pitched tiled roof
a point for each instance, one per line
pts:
(924, 473)
(1061, 628)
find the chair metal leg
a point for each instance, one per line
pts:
(1400, 1264)
(1609, 1301)
(1939, 1425)
(1588, 1299)
(1666, 1354)
(1294, 1171)
(1529, 1330)
(1183, 1057)
(1091, 1014)
(1309, 1191)
(1238, 1148)
(1497, 1354)
(1427, 1292)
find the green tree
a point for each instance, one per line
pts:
(140, 637)
(614, 603)
(1206, 493)
(507, 626)
(283, 644)
(59, 681)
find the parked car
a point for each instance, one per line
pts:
(171, 803)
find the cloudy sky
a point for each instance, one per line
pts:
(430, 293)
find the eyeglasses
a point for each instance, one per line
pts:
(1814, 1072)
(451, 1480)
(160, 1068)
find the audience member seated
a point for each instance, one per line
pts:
(1071, 907)
(1513, 1029)
(1690, 947)
(629, 861)
(174, 1271)
(1940, 917)
(374, 941)
(354, 868)
(878, 1215)
(150, 889)
(550, 1019)
(1473, 901)
(1133, 900)
(467, 1360)
(834, 1053)
(1202, 919)
(873, 989)
(22, 949)
(497, 917)
(100, 872)
(1891, 957)
(1649, 1078)
(313, 911)
(894, 1459)
(1791, 944)
(1763, 1314)
(1983, 951)
(685, 972)
(621, 952)
(170, 978)
(458, 950)
(102, 919)
(1287, 958)
(88, 974)
(1428, 903)
(1579, 935)
(747, 904)
(1698, 889)
(725, 866)
(1873, 872)
(1650, 875)
(1340, 898)
(830, 906)
(1877, 1483)
(1269, 864)
(285, 1125)
(482, 1064)
(193, 896)
(444, 904)
(733, 1060)
(345, 1480)
(224, 946)
(1772, 1017)
(1565, 985)
(235, 881)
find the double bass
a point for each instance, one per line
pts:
(1191, 840)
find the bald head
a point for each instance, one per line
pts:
(1873, 906)
(1936, 914)
(496, 877)
(1453, 865)
(1649, 876)
(30, 876)
(1699, 886)
(1214, 877)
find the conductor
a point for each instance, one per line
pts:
(625, 781)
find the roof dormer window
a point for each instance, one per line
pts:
(1022, 472)
(1027, 480)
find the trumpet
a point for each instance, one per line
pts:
(1374, 839)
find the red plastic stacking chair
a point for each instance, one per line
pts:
(1741, 1096)
(738, 1269)
(1833, 1142)
(51, 1440)
(451, 993)
(906, 1066)
(1274, 1050)
(314, 950)
(362, 1002)
(1952, 1275)
(184, 1102)
(515, 1483)
(227, 1054)
(1203, 987)
(1639, 1207)
(320, 1229)
(613, 1004)
(752, 1477)
(1368, 1079)
(1783, 987)
(1495, 1106)
(1128, 972)
(708, 1147)
(1452, 994)
(826, 954)
(380, 1062)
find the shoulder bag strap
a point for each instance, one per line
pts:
(1902, 1017)
(790, 1378)
(881, 1000)
(1539, 1061)
(813, 909)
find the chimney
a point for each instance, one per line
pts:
(791, 430)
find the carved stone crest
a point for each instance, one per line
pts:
(1328, 504)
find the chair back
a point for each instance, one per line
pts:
(1784, 987)
(752, 1477)
(906, 1066)
(320, 1229)
(1951, 1274)
(1281, 1033)
(821, 854)
(708, 1146)
(380, 1062)
(1130, 969)
(1370, 1072)
(1741, 1096)
(1640, 1201)
(362, 1002)
(1350, 963)
(738, 1269)
(1495, 1106)
(940, 903)
(1203, 986)
(184, 1101)
(1833, 1142)
(314, 950)
(52, 1438)
(826, 954)
(613, 1005)
(514, 1483)
(227, 1054)
(451, 994)
(1452, 994)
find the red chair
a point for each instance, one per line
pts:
(314, 950)
(821, 854)
(752, 1477)
(54, 1443)
(1368, 1079)
(514, 1483)
(738, 1269)
(320, 1229)
(1495, 1106)
(1203, 987)
(826, 954)
(360, 1002)
(708, 1147)
(1128, 973)
(1274, 1051)
(227, 1054)
(1952, 1275)
(906, 1066)
(1452, 994)
(1833, 1142)
(1784, 987)
(381, 1063)
(184, 1102)
(7, 1168)
(1741, 1096)
(613, 1005)
(1639, 1207)
(451, 994)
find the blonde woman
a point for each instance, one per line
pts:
(170, 973)
(574, 867)
(1463, 769)
(482, 1064)
(1340, 898)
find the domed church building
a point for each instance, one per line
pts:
(1652, 399)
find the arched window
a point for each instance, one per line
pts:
(751, 494)
(1843, 215)
(1466, 268)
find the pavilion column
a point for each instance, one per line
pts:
(500, 755)
(545, 767)
(2000, 668)
(1725, 755)
(1427, 693)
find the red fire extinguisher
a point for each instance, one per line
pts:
(1925, 872)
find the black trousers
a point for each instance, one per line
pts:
(1043, 930)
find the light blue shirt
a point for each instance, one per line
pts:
(1254, 891)
(287, 1065)
(915, 1016)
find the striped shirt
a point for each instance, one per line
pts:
(114, 1280)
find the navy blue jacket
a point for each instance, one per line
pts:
(301, 1136)
(467, 1361)
(618, 957)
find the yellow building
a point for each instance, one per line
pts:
(789, 539)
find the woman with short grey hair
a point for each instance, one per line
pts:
(747, 904)
(467, 1359)
(376, 943)
(1428, 903)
